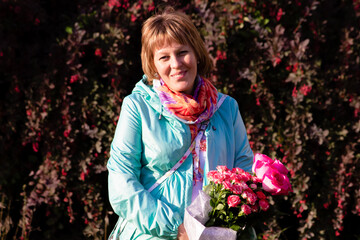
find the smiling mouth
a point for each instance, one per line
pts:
(179, 75)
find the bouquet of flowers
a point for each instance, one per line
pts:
(234, 199)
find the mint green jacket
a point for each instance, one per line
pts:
(148, 142)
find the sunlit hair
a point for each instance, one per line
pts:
(167, 27)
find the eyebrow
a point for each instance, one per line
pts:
(162, 51)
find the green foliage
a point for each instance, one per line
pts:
(65, 67)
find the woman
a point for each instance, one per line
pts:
(159, 121)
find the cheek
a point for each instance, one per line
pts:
(160, 68)
(191, 61)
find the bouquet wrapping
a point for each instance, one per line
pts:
(196, 216)
(235, 199)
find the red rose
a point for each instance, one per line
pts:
(264, 205)
(233, 200)
(227, 185)
(246, 209)
(261, 195)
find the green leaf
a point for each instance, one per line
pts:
(212, 202)
(220, 206)
(69, 30)
(235, 227)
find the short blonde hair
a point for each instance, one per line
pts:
(167, 27)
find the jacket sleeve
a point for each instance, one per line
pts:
(127, 195)
(244, 155)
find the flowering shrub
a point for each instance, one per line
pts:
(65, 67)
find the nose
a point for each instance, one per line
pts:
(175, 62)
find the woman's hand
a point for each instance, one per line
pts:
(182, 235)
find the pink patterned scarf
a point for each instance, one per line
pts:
(187, 108)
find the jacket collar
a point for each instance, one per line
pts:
(150, 96)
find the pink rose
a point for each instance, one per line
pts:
(273, 175)
(237, 189)
(215, 177)
(233, 177)
(276, 183)
(260, 195)
(245, 176)
(264, 205)
(238, 170)
(261, 164)
(233, 200)
(254, 208)
(255, 179)
(211, 175)
(246, 209)
(280, 167)
(253, 186)
(250, 196)
(227, 185)
(222, 169)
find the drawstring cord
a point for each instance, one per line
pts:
(161, 110)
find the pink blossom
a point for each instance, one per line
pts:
(279, 14)
(273, 175)
(250, 196)
(255, 208)
(260, 195)
(237, 189)
(133, 18)
(210, 175)
(227, 185)
(74, 78)
(294, 92)
(305, 89)
(276, 61)
(35, 146)
(114, 3)
(17, 89)
(151, 7)
(280, 167)
(255, 179)
(260, 165)
(233, 200)
(98, 52)
(276, 183)
(82, 176)
(222, 169)
(67, 133)
(245, 177)
(246, 209)
(264, 204)
(215, 176)
(244, 185)
(253, 186)
(238, 170)
(37, 21)
(295, 67)
(220, 55)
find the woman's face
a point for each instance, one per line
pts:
(176, 64)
